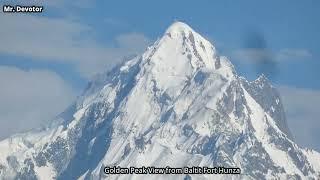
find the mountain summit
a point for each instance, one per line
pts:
(178, 104)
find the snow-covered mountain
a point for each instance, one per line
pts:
(178, 104)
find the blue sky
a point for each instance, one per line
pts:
(71, 41)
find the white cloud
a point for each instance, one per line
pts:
(292, 54)
(251, 55)
(302, 110)
(133, 42)
(67, 41)
(29, 98)
(115, 22)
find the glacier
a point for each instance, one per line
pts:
(178, 104)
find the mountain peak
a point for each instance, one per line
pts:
(184, 47)
(179, 54)
(262, 78)
(178, 26)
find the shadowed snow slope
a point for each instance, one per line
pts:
(178, 104)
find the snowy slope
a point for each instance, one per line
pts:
(178, 104)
